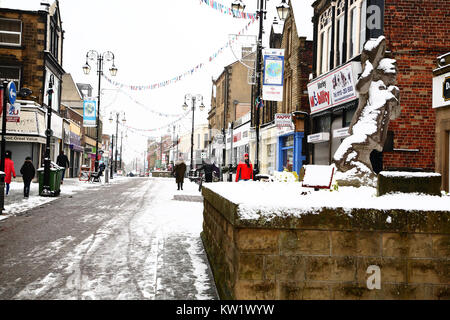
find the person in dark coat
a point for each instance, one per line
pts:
(102, 168)
(178, 171)
(63, 162)
(208, 168)
(28, 173)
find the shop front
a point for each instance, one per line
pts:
(76, 150)
(269, 144)
(333, 102)
(89, 152)
(26, 138)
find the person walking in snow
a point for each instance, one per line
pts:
(178, 172)
(244, 170)
(63, 162)
(28, 173)
(208, 168)
(9, 170)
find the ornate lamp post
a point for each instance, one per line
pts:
(282, 9)
(108, 56)
(193, 98)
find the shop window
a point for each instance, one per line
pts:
(348, 116)
(10, 32)
(10, 74)
(287, 150)
(322, 124)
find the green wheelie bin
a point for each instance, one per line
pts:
(55, 181)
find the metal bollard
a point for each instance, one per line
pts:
(106, 175)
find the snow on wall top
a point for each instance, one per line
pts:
(303, 13)
(269, 199)
(409, 174)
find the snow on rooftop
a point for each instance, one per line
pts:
(303, 13)
(269, 199)
(27, 5)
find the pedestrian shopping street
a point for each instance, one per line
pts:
(124, 240)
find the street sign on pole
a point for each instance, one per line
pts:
(12, 94)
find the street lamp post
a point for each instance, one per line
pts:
(117, 134)
(121, 142)
(193, 98)
(48, 133)
(282, 10)
(111, 173)
(108, 56)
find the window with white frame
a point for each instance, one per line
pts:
(340, 32)
(325, 41)
(362, 25)
(355, 27)
(10, 32)
(349, 34)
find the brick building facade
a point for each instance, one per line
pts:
(230, 101)
(31, 46)
(287, 149)
(416, 34)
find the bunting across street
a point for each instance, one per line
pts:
(227, 10)
(181, 76)
(159, 128)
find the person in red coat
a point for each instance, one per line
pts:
(244, 170)
(9, 170)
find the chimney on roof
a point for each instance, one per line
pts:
(45, 6)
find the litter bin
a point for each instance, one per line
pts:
(55, 181)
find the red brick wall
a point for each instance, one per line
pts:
(416, 33)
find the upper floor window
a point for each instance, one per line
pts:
(324, 41)
(54, 41)
(349, 34)
(10, 32)
(340, 32)
(356, 27)
(289, 42)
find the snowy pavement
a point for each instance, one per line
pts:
(15, 203)
(132, 242)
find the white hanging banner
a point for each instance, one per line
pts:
(273, 74)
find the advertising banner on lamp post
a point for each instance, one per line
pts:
(273, 74)
(90, 113)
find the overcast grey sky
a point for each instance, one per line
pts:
(152, 40)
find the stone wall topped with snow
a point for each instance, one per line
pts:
(378, 104)
(325, 253)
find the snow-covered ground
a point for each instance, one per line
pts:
(147, 247)
(269, 199)
(15, 203)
